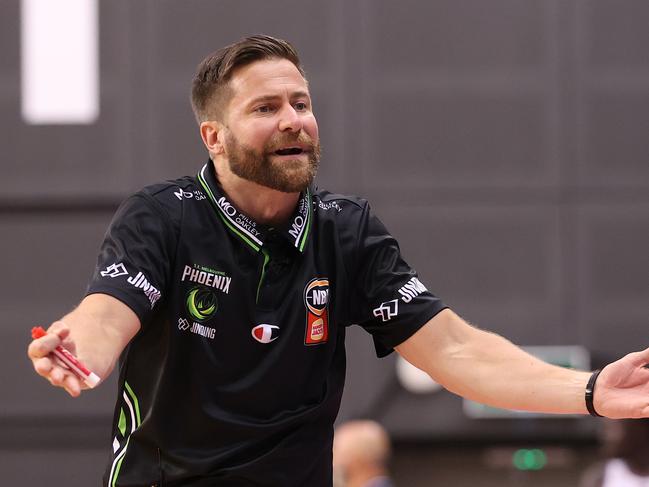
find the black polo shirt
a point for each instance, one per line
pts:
(236, 374)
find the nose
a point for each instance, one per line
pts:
(289, 120)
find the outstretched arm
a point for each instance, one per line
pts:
(487, 368)
(96, 332)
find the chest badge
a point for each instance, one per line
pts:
(201, 303)
(316, 301)
(265, 333)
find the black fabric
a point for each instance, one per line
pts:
(141, 242)
(236, 375)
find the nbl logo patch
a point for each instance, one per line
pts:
(316, 300)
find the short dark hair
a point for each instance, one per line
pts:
(210, 84)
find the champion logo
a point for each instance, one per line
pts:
(265, 333)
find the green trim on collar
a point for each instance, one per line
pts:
(307, 229)
(296, 231)
(219, 211)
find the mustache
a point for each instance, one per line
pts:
(280, 141)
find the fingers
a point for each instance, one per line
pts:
(47, 366)
(58, 376)
(72, 385)
(43, 346)
(60, 329)
(65, 379)
(42, 366)
(641, 358)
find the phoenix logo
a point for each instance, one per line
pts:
(201, 303)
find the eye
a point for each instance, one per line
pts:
(301, 106)
(263, 109)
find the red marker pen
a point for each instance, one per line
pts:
(90, 378)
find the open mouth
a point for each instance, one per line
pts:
(289, 151)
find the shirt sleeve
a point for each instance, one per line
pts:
(136, 255)
(389, 300)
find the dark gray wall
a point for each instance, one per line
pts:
(504, 143)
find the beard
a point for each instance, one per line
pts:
(288, 175)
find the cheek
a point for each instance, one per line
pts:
(310, 126)
(255, 135)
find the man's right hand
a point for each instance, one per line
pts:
(96, 331)
(47, 365)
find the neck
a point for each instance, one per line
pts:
(265, 205)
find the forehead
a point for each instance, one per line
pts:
(269, 77)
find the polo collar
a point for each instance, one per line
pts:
(297, 230)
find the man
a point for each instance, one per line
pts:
(227, 294)
(361, 451)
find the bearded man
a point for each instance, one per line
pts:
(225, 297)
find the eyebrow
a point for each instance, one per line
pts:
(267, 98)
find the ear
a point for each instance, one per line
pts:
(212, 133)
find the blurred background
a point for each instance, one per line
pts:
(504, 143)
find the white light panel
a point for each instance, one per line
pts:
(60, 66)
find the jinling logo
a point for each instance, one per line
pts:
(387, 310)
(114, 270)
(141, 282)
(183, 324)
